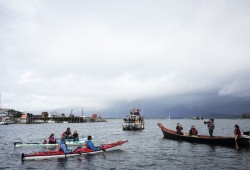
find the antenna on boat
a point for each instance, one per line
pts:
(142, 108)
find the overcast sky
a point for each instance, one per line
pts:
(101, 55)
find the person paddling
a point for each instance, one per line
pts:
(193, 131)
(63, 147)
(179, 129)
(67, 134)
(89, 144)
(52, 139)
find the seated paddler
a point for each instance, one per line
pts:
(63, 147)
(179, 129)
(89, 144)
(52, 139)
(193, 131)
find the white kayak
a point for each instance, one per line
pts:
(81, 142)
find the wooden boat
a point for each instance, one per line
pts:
(217, 140)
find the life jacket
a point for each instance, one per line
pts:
(194, 131)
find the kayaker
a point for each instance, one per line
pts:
(63, 147)
(67, 134)
(193, 131)
(89, 144)
(179, 129)
(210, 125)
(75, 136)
(52, 139)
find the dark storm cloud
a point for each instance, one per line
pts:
(91, 54)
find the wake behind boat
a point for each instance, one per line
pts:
(217, 140)
(69, 142)
(78, 151)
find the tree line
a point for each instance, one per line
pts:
(245, 116)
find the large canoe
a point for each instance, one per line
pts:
(78, 151)
(217, 140)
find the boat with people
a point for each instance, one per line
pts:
(134, 121)
(216, 140)
(69, 142)
(78, 151)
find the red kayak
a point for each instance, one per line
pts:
(78, 151)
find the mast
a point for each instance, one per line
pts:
(142, 109)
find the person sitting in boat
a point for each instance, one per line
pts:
(75, 136)
(63, 146)
(52, 139)
(237, 132)
(67, 134)
(193, 131)
(210, 125)
(89, 144)
(179, 129)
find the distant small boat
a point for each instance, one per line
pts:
(65, 122)
(217, 140)
(3, 123)
(197, 118)
(51, 121)
(38, 121)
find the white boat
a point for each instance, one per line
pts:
(3, 123)
(65, 122)
(51, 121)
(69, 142)
(134, 121)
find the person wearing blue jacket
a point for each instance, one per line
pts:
(63, 147)
(89, 144)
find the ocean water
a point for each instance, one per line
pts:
(145, 149)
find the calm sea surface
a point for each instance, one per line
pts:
(145, 149)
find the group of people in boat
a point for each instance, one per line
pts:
(193, 131)
(62, 146)
(66, 135)
(211, 125)
(134, 117)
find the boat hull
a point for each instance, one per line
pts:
(133, 126)
(69, 143)
(216, 140)
(79, 151)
